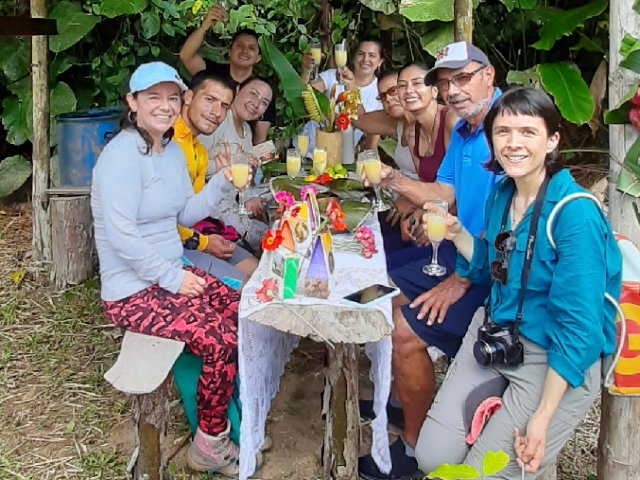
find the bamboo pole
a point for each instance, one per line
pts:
(40, 138)
(463, 21)
(619, 441)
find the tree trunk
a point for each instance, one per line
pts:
(463, 20)
(325, 27)
(40, 138)
(340, 407)
(150, 416)
(619, 440)
(72, 240)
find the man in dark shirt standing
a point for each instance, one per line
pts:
(244, 54)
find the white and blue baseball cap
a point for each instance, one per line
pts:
(153, 73)
(456, 55)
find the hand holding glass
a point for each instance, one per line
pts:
(240, 176)
(293, 163)
(373, 170)
(436, 212)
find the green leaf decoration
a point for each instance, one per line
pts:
(73, 24)
(385, 6)
(565, 23)
(620, 114)
(388, 145)
(115, 8)
(15, 118)
(528, 78)
(522, 4)
(571, 93)
(628, 183)
(632, 62)
(631, 158)
(636, 6)
(62, 100)
(589, 45)
(437, 39)
(493, 462)
(15, 57)
(354, 213)
(293, 186)
(629, 44)
(454, 472)
(150, 23)
(427, 10)
(14, 171)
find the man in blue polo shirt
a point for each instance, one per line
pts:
(436, 311)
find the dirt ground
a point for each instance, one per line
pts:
(60, 420)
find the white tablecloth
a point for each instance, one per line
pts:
(264, 350)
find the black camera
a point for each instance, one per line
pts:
(498, 345)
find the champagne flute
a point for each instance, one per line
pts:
(240, 176)
(293, 163)
(436, 212)
(319, 160)
(340, 55)
(303, 144)
(316, 54)
(373, 170)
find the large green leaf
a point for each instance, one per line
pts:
(565, 23)
(493, 462)
(14, 171)
(385, 6)
(73, 24)
(115, 8)
(631, 158)
(571, 93)
(427, 10)
(15, 56)
(388, 145)
(437, 38)
(527, 78)
(150, 23)
(454, 472)
(62, 99)
(15, 119)
(354, 213)
(620, 114)
(522, 4)
(629, 44)
(628, 183)
(290, 81)
(632, 62)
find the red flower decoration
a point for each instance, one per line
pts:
(268, 290)
(342, 121)
(272, 240)
(295, 211)
(322, 179)
(336, 215)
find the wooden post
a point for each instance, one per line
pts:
(619, 441)
(72, 239)
(340, 407)
(463, 20)
(150, 416)
(40, 138)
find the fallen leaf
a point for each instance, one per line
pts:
(17, 276)
(598, 89)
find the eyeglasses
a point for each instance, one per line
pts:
(393, 91)
(505, 242)
(459, 80)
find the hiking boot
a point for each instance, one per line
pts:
(403, 467)
(395, 416)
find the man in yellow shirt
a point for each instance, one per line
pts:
(204, 108)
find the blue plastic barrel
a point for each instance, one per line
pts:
(81, 137)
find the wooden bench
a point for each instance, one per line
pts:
(143, 370)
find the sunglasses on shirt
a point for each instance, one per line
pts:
(505, 242)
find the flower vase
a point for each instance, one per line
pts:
(348, 146)
(332, 142)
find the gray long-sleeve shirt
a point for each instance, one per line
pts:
(137, 202)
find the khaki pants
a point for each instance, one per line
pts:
(442, 437)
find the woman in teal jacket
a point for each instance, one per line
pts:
(545, 369)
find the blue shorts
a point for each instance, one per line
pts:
(448, 335)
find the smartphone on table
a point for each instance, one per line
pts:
(370, 296)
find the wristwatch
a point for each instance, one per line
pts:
(193, 242)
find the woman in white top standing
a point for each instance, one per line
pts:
(366, 65)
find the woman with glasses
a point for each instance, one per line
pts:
(537, 354)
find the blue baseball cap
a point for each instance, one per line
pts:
(150, 74)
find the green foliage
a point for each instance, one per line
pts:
(427, 10)
(14, 171)
(492, 463)
(570, 92)
(73, 25)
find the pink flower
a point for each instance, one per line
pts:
(306, 189)
(284, 198)
(268, 290)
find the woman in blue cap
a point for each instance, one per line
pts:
(141, 190)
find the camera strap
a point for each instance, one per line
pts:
(533, 232)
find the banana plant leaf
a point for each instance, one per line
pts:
(354, 213)
(290, 82)
(348, 189)
(273, 169)
(293, 186)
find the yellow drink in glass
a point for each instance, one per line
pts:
(436, 228)
(359, 168)
(341, 58)
(303, 144)
(373, 169)
(319, 160)
(240, 175)
(293, 163)
(316, 54)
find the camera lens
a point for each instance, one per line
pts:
(487, 354)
